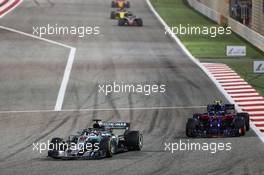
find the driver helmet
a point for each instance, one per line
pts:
(218, 105)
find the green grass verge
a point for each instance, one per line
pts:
(206, 48)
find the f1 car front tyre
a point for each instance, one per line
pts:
(239, 123)
(139, 22)
(246, 117)
(134, 140)
(107, 146)
(57, 144)
(191, 126)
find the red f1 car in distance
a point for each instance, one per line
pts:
(120, 4)
(220, 120)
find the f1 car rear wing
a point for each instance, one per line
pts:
(116, 125)
(228, 108)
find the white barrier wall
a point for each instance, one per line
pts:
(250, 35)
(222, 6)
(210, 13)
(258, 16)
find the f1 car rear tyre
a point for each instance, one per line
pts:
(127, 4)
(246, 117)
(239, 124)
(134, 140)
(113, 4)
(139, 22)
(191, 126)
(107, 146)
(57, 144)
(112, 15)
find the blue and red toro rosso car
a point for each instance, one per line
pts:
(220, 120)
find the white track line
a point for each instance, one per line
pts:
(103, 109)
(65, 80)
(67, 70)
(36, 37)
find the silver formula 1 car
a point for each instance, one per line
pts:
(100, 141)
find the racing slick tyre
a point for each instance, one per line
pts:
(139, 22)
(112, 15)
(107, 146)
(113, 4)
(239, 123)
(246, 117)
(57, 144)
(121, 22)
(127, 4)
(191, 125)
(134, 140)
